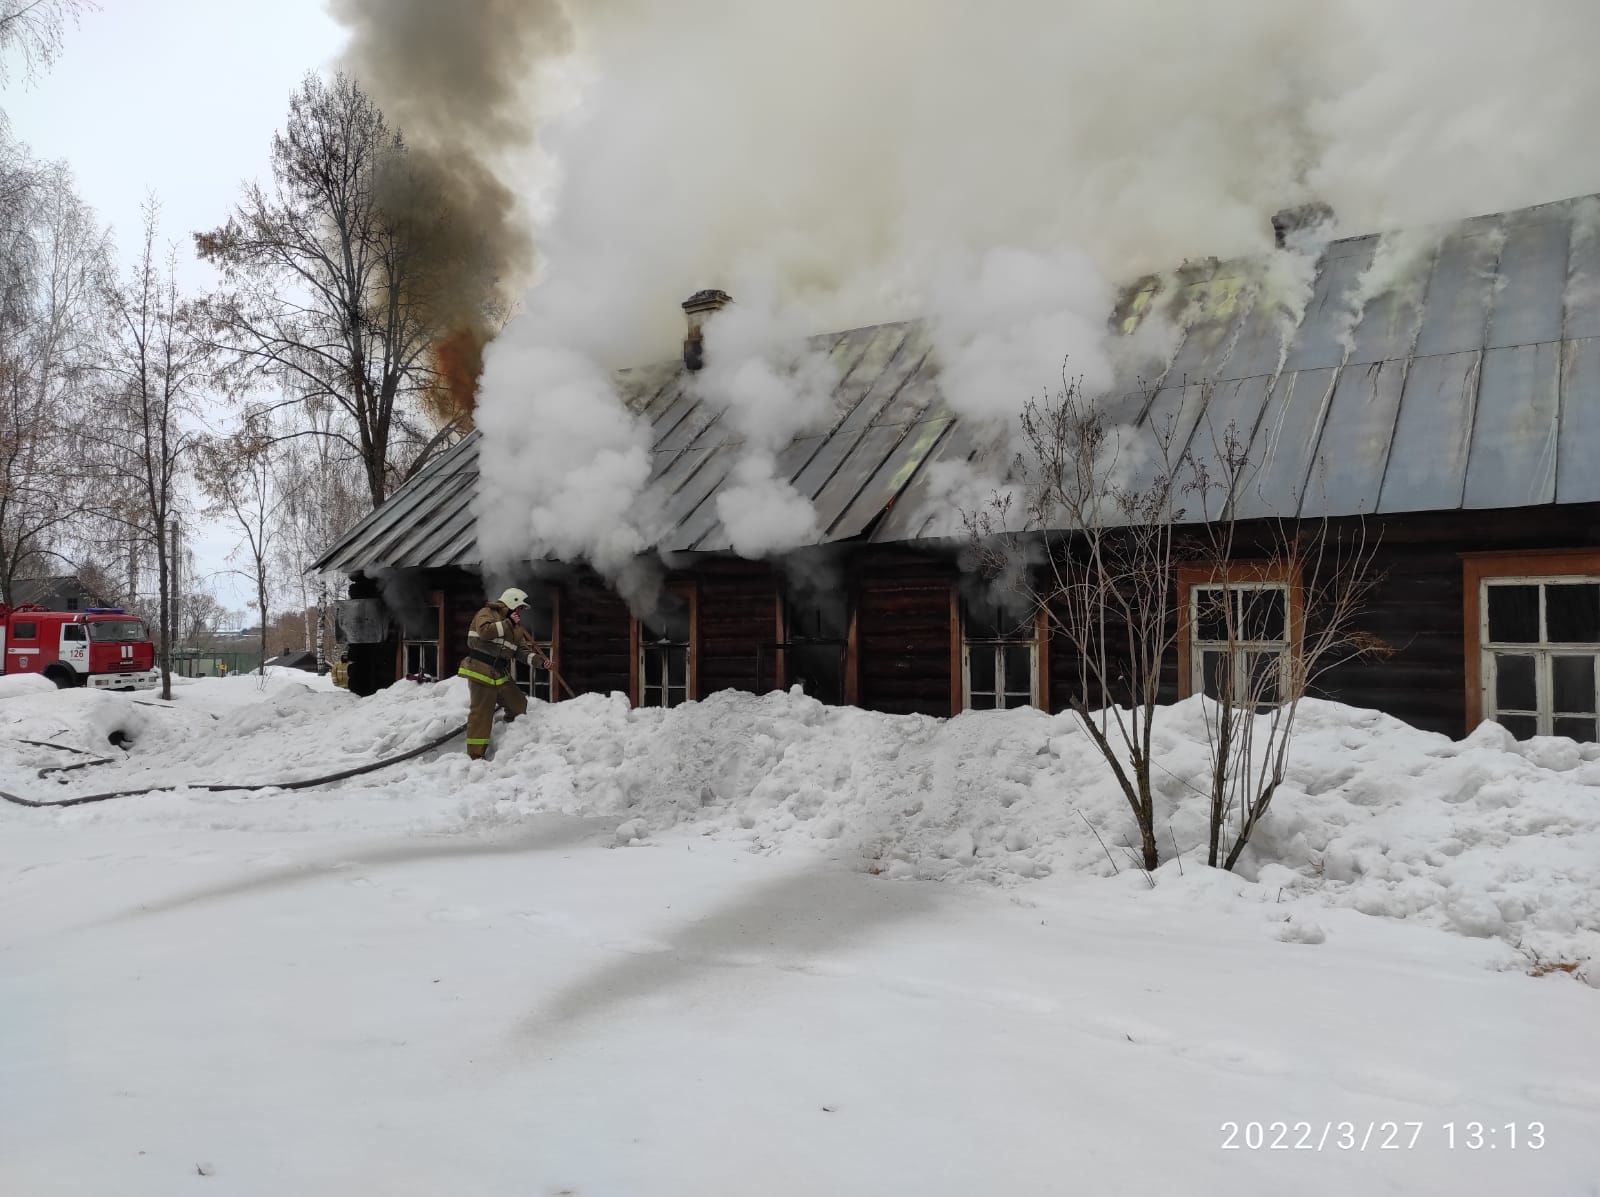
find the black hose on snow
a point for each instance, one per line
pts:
(302, 784)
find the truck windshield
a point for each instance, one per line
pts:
(116, 629)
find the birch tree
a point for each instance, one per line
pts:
(143, 434)
(33, 31)
(53, 263)
(240, 477)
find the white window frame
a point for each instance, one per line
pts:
(1543, 651)
(1003, 687)
(1244, 651)
(536, 682)
(670, 691)
(661, 694)
(422, 642)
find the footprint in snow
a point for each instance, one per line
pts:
(1399, 1086)
(635, 947)
(1026, 1003)
(817, 968)
(1230, 1057)
(1577, 1097)
(457, 914)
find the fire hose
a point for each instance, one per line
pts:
(301, 784)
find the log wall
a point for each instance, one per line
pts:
(903, 633)
(905, 656)
(738, 617)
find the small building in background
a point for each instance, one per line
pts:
(61, 592)
(297, 658)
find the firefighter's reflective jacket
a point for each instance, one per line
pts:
(493, 642)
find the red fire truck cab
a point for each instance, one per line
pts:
(104, 648)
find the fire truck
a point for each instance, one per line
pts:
(103, 648)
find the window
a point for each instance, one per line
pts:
(999, 656)
(539, 619)
(116, 629)
(1239, 626)
(74, 631)
(1540, 655)
(1239, 649)
(814, 650)
(665, 659)
(24, 631)
(419, 651)
(72, 602)
(422, 659)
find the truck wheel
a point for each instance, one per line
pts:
(64, 679)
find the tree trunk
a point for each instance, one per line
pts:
(261, 601)
(1147, 839)
(1147, 816)
(164, 583)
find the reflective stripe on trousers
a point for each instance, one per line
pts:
(484, 697)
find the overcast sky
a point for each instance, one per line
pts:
(179, 97)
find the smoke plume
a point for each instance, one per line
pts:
(1000, 169)
(770, 387)
(459, 80)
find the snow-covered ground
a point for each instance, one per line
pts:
(723, 950)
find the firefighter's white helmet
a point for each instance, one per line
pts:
(514, 599)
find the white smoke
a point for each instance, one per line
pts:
(771, 386)
(1399, 265)
(562, 463)
(1007, 324)
(1000, 169)
(1288, 278)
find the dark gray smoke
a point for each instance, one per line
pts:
(454, 78)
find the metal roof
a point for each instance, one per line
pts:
(1472, 383)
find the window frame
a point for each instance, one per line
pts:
(637, 646)
(435, 601)
(784, 608)
(1237, 575)
(1480, 664)
(526, 678)
(961, 646)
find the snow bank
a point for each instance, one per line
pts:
(15, 685)
(1485, 838)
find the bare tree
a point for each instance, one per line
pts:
(1276, 630)
(35, 30)
(1107, 535)
(323, 496)
(53, 260)
(336, 283)
(98, 581)
(240, 477)
(1094, 534)
(202, 615)
(142, 435)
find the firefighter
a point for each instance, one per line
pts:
(495, 639)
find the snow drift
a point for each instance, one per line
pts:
(1485, 837)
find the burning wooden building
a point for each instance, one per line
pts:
(1457, 419)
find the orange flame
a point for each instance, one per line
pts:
(457, 364)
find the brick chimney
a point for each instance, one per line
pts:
(1292, 220)
(697, 307)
